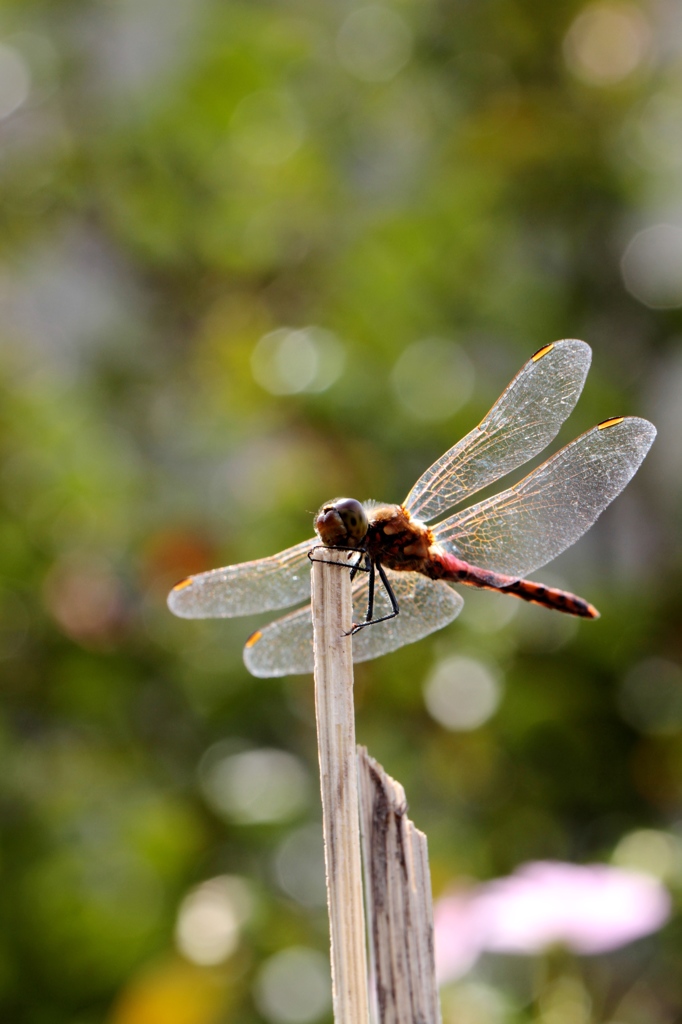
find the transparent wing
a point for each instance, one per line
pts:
(524, 419)
(258, 586)
(285, 647)
(528, 525)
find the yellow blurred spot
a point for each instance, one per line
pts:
(172, 993)
(183, 583)
(610, 423)
(253, 639)
(653, 852)
(542, 352)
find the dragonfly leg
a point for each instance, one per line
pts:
(359, 567)
(354, 569)
(370, 598)
(370, 591)
(369, 621)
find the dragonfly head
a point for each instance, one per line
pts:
(342, 522)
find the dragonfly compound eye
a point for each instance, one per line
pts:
(342, 522)
(354, 517)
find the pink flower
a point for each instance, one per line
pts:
(458, 930)
(590, 909)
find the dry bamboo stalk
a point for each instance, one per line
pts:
(399, 906)
(332, 618)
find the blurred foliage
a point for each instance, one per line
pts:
(177, 181)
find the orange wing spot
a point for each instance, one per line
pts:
(253, 639)
(610, 422)
(541, 352)
(183, 583)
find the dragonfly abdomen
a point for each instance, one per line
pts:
(444, 566)
(552, 597)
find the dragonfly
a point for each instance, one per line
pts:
(418, 555)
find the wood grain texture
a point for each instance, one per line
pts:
(399, 904)
(332, 619)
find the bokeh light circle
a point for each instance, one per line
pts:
(651, 851)
(432, 379)
(607, 42)
(267, 127)
(15, 80)
(374, 43)
(299, 866)
(254, 786)
(650, 696)
(210, 917)
(294, 986)
(287, 362)
(652, 266)
(462, 693)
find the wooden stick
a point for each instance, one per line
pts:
(399, 906)
(332, 618)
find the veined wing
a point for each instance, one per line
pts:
(258, 586)
(285, 647)
(528, 525)
(524, 419)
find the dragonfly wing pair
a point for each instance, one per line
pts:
(285, 647)
(525, 527)
(263, 585)
(525, 418)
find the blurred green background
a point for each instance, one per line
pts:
(415, 197)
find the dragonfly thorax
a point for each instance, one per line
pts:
(397, 540)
